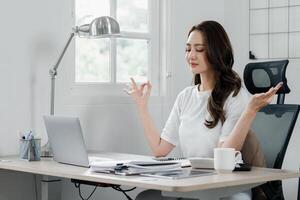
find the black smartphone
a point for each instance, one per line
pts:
(242, 167)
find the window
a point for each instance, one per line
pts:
(108, 63)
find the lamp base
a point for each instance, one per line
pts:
(46, 151)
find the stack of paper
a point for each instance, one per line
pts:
(106, 166)
(133, 167)
(183, 161)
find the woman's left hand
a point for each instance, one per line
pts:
(260, 100)
(140, 94)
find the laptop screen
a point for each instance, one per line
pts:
(66, 140)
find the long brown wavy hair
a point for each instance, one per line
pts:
(219, 54)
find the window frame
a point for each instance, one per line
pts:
(94, 89)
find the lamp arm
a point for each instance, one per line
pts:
(53, 72)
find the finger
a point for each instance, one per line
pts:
(146, 83)
(271, 92)
(128, 87)
(127, 91)
(260, 96)
(269, 96)
(278, 86)
(149, 84)
(133, 83)
(143, 86)
(149, 88)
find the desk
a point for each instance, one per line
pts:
(207, 187)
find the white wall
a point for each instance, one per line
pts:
(237, 26)
(30, 34)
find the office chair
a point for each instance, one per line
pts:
(274, 123)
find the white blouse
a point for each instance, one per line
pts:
(185, 125)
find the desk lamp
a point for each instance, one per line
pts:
(100, 27)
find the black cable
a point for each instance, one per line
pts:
(118, 188)
(77, 185)
(115, 187)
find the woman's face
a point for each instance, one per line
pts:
(195, 53)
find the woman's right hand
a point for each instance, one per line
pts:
(140, 94)
(260, 100)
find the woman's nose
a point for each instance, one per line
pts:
(192, 54)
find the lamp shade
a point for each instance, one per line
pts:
(99, 28)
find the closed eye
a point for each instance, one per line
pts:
(199, 50)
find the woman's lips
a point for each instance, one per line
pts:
(193, 65)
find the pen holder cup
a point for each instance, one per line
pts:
(30, 149)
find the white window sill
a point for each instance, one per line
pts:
(99, 94)
(107, 99)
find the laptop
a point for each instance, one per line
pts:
(66, 140)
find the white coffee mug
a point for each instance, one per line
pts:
(225, 159)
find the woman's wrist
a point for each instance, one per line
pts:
(142, 107)
(250, 113)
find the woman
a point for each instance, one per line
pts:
(216, 111)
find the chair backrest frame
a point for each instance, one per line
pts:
(273, 72)
(273, 108)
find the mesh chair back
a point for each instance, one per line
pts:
(261, 76)
(273, 126)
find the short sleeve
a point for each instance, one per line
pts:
(170, 132)
(234, 106)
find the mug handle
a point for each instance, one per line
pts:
(238, 157)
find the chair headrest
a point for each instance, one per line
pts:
(261, 76)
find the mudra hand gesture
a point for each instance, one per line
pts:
(260, 100)
(140, 94)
